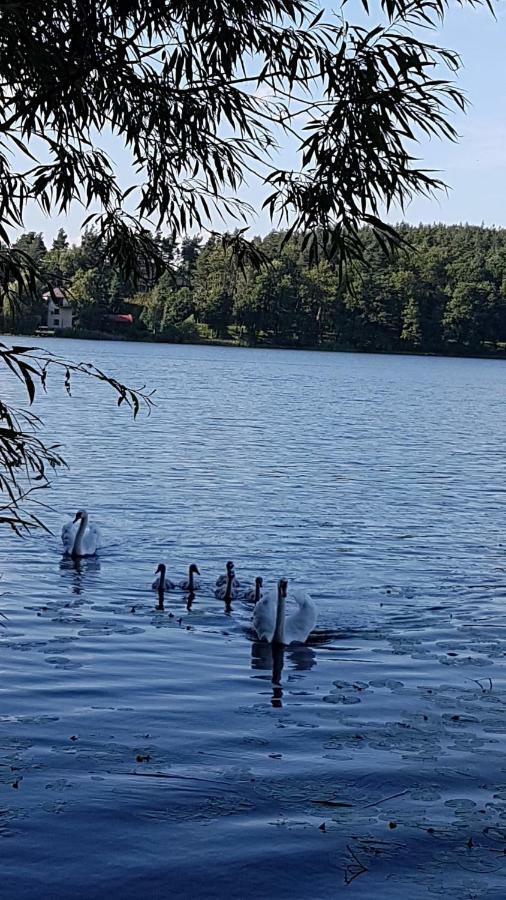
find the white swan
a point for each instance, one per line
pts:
(273, 625)
(191, 583)
(253, 595)
(227, 586)
(82, 539)
(161, 582)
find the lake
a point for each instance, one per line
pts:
(148, 752)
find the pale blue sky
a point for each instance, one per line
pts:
(474, 169)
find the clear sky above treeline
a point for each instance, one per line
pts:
(474, 169)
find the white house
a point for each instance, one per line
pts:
(59, 309)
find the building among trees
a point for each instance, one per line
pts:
(60, 312)
(446, 293)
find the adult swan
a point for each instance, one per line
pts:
(273, 625)
(82, 539)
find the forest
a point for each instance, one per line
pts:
(444, 292)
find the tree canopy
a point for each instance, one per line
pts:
(26, 462)
(201, 95)
(447, 294)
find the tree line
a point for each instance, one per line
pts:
(445, 292)
(201, 96)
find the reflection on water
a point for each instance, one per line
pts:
(268, 657)
(271, 658)
(146, 718)
(302, 657)
(77, 571)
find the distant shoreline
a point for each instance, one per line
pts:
(84, 335)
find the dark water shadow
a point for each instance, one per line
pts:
(326, 635)
(302, 657)
(271, 658)
(76, 571)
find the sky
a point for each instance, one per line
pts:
(474, 168)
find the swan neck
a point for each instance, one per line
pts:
(78, 542)
(228, 592)
(279, 630)
(257, 593)
(190, 580)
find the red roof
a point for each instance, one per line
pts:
(121, 317)
(57, 294)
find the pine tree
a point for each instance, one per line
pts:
(60, 242)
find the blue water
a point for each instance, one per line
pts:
(149, 752)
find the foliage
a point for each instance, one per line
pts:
(200, 95)
(214, 284)
(447, 294)
(25, 460)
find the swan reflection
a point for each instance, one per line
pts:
(302, 657)
(271, 658)
(77, 569)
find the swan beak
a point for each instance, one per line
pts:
(77, 517)
(197, 570)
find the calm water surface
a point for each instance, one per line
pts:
(148, 752)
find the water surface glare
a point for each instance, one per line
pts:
(152, 752)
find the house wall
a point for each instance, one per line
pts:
(58, 316)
